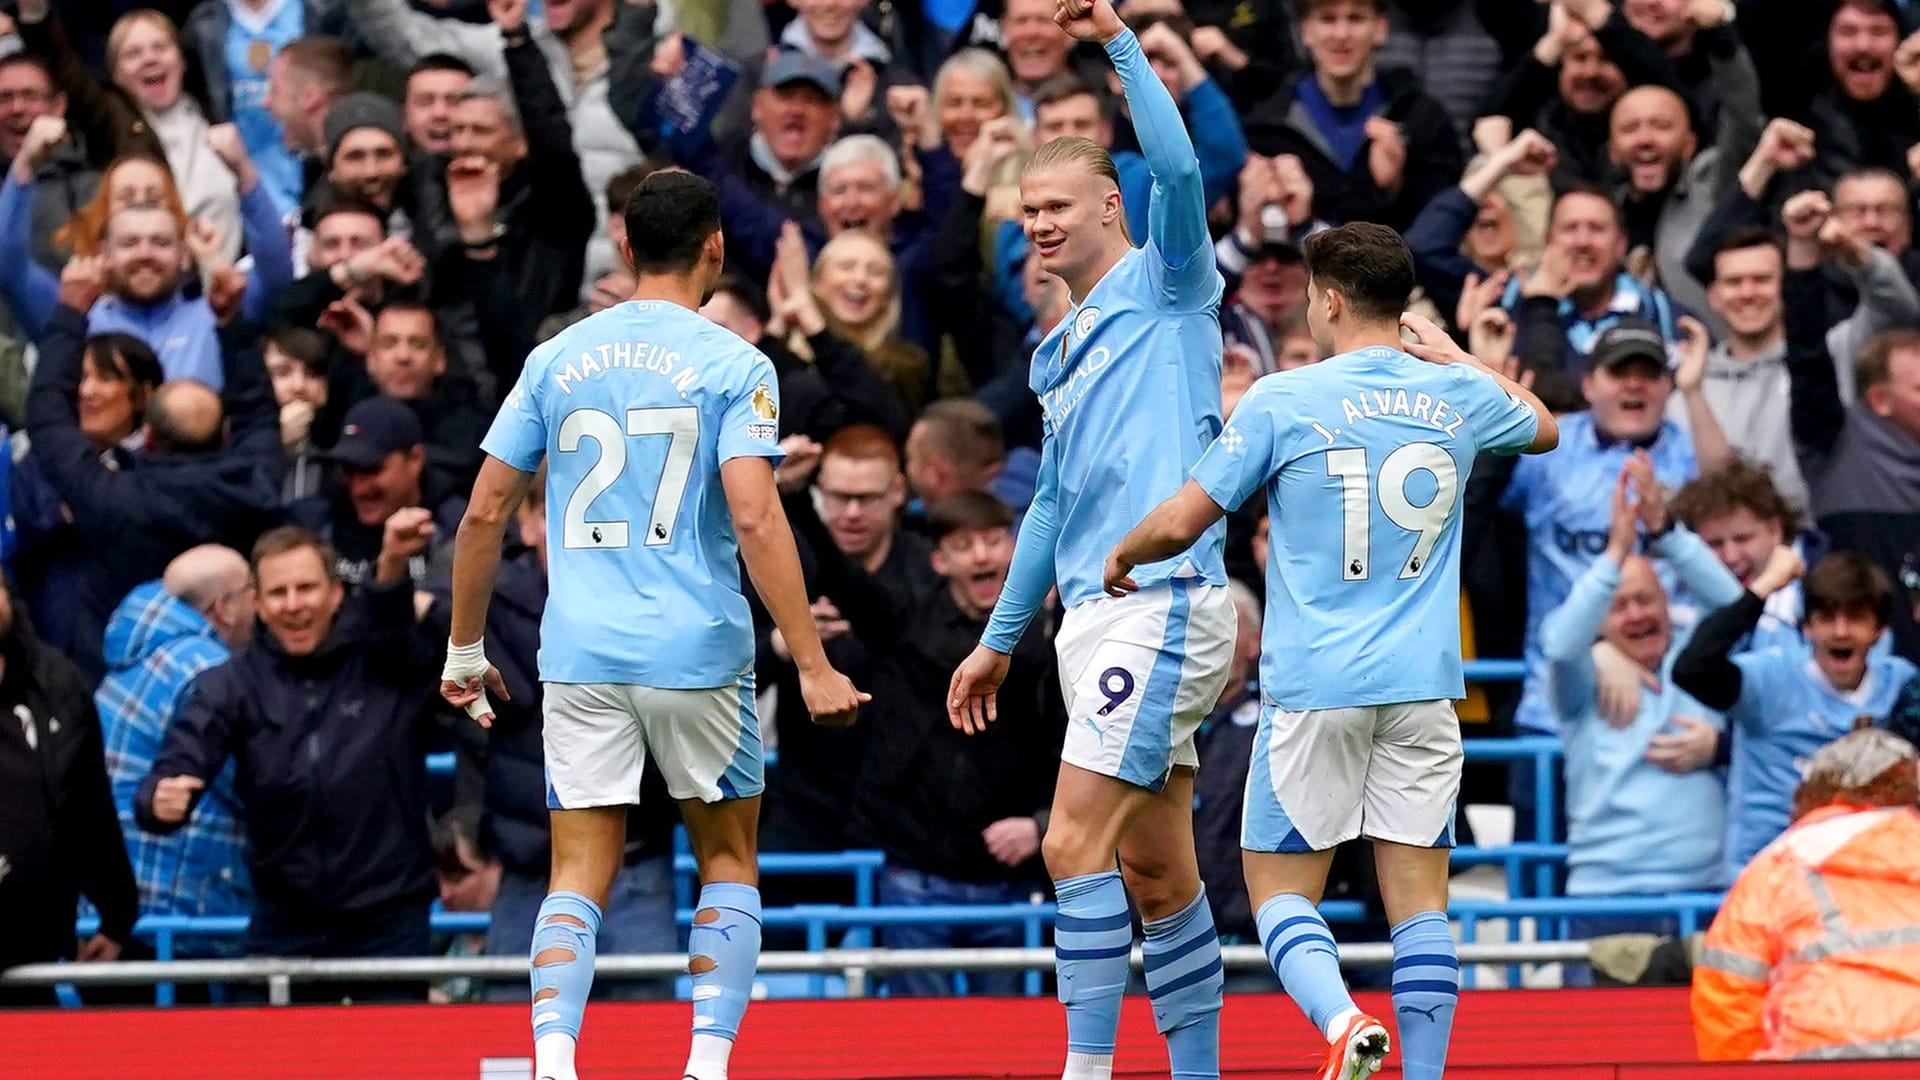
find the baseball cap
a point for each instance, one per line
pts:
(791, 66)
(375, 428)
(1629, 339)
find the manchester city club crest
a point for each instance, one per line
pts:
(1083, 325)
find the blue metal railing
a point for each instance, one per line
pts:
(858, 922)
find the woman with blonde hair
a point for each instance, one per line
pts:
(854, 287)
(971, 89)
(148, 69)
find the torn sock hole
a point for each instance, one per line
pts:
(705, 916)
(564, 920)
(550, 957)
(701, 965)
(545, 995)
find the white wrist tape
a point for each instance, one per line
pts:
(465, 663)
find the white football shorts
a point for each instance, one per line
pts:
(1322, 777)
(1139, 673)
(706, 743)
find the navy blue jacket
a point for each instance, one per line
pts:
(330, 751)
(135, 515)
(503, 770)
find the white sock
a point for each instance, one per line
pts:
(553, 1057)
(1339, 1022)
(707, 1060)
(1088, 1067)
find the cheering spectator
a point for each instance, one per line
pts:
(970, 90)
(1745, 383)
(794, 118)
(233, 41)
(308, 76)
(1376, 146)
(194, 482)
(1866, 117)
(569, 47)
(860, 488)
(407, 362)
(382, 460)
(1467, 231)
(146, 109)
(64, 178)
(1581, 286)
(322, 717)
(1643, 814)
(857, 286)
(832, 388)
(1671, 183)
(434, 85)
(1626, 388)
(118, 377)
(1782, 707)
(959, 816)
(1739, 513)
(1566, 86)
(296, 359)
(1861, 460)
(59, 838)
(513, 185)
(29, 288)
(352, 266)
(364, 153)
(1036, 47)
(1795, 965)
(160, 638)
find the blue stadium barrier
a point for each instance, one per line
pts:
(821, 921)
(858, 923)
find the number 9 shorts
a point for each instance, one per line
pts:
(1139, 674)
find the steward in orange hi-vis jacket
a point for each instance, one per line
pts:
(1816, 953)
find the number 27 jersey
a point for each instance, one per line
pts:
(635, 409)
(1364, 457)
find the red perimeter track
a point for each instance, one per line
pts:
(1556, 1035)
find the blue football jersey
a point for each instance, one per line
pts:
(634, 410)
(1364, 458)
(1566, 497)
(1787, 711)
(1129, 385)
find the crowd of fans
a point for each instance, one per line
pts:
(266, 265)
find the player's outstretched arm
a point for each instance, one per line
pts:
(1435, 346)
(1177, 214)
(773, 563)
(467, 677)
(971, 703)
(1170, 529)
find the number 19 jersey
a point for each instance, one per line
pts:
(635, 409)
(1364, 457)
